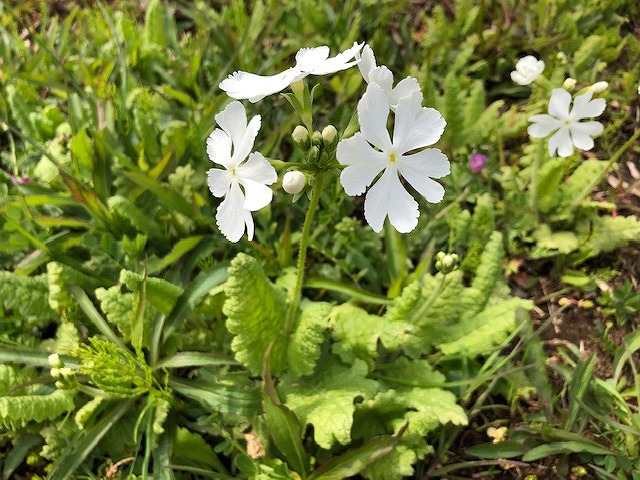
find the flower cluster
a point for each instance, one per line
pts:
(562, 120)
(371, 158)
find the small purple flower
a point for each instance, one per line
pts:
(478, 162)
(19, 181)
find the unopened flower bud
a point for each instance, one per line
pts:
(569, 84)
(446, 262)
(329, 135)
(314, 154)
(293, 182)
(562, 57)
(599, 87)
(300, 136)
(316, 138)
(61, 384)
(66, 372)
(55, 372)
(55, 361)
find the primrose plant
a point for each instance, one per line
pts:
(277, 332)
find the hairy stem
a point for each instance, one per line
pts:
(302, 254)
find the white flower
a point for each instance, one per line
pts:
(293, 182)
(371, 152)
(527, 70)
(383, 77)
(570, 131)
(309, 61)
(242, 183)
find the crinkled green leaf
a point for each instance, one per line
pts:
(579, 185)
(256, 311)
(357, 333)
(192, 448)
(27, 296)
(304, 347)
(21, 409)
(12, 376)
(327, 399)
(548, 183)
(487, 275)
(487, 329)
(550, 243)
(607, 233)
(162, 294)
(60, 277)
(129, 215)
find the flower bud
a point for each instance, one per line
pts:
(66, 372)
(569, 84)
(293, 182)
(314, 154)
(300, 137)
(316, 138)
(446, 262)
(599, 87)
(55, 361)
(329, 135)
(55, 372)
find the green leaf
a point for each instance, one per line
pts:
(256, 311)
(607, 233)
(161, 294)
(190, 446)
(558, 448)
(486, 330)
(548, 183)
(303, 350)
(284, 427)
(22, 444)
(181, 248)
(67, 465)
(206, 281)
(18, 410)
(27, 296)
(506, 449)
(227, 399)
(576, 188)
(551, 243)
(130, 215)
(327, 398)
(354, 461)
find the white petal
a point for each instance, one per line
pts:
(219, 181)
(543, 125)
(405, 87)
(561, 141)
(257, 195)
(416, 126)
(383, 77)
(373, 111)
(367, 62)
(254, 175)
(258, 169)
(363, 164)
(582, 132)
(233, 120)
(419, 169)
(307, 59)
(242, 85)
(584, 107)
(231, 217)
(519, 78)
(339, 62)
(388, 197)
(219, 147)
(559, 103)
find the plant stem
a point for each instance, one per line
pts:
(302, 254)
(533, 188)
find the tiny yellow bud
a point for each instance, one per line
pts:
(569, 84)
(55, 361)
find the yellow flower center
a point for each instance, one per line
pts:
(392, 157)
